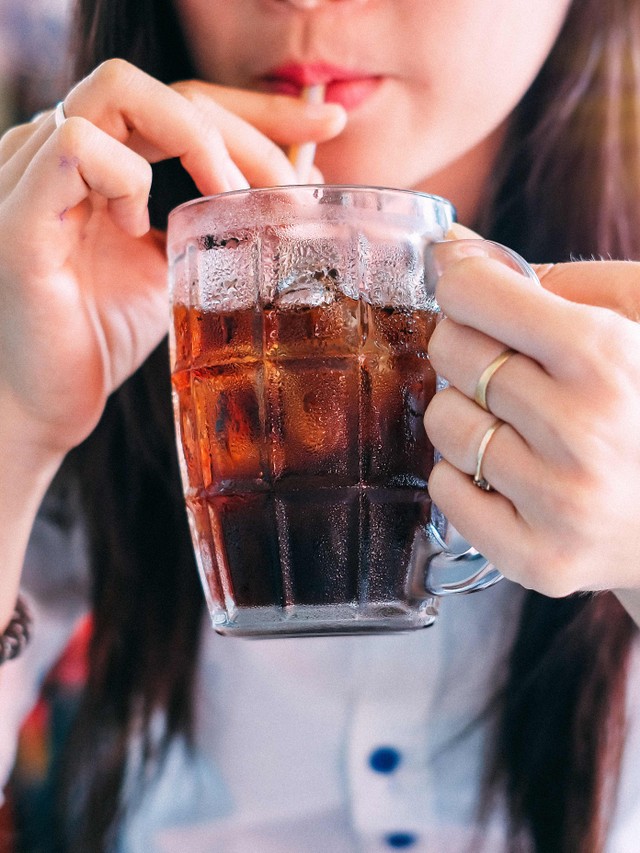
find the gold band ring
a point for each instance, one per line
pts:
(59, 115)
(478, 478)
(480, 395)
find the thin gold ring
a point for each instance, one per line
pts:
(478, 478)
(480, 395)
(59, 115)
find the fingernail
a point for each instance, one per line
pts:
(456, 250)
(439, 256)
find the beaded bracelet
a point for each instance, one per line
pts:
(17, 633)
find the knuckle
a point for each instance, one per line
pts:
(604, 334)
(578, 434)
(437, 418)
(189, 89)
(609, 429)
(73, 133)
(600, 346)
(115, 74)
(600, 425)
(618, 353)
(569, 507)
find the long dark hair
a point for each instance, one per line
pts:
(565, 188)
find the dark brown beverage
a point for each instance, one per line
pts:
(305, 456)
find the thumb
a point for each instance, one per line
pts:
(605, 284)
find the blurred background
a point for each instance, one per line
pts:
(34, 57)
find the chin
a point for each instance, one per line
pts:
(374, 165)
(358, 171)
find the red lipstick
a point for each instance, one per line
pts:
(344, 86)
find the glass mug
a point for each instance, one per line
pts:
(301, 319)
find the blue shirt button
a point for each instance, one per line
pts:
(385, 759)
(401, 840)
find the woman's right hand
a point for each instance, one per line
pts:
(82, 277)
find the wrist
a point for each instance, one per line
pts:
(27, 467)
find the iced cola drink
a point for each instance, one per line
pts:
(300, 379)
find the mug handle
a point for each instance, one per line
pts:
(449, 564)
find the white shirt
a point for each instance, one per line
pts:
(324, 745)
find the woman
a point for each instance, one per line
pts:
(527, 120)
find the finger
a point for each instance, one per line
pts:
(251, 123)
(519, 392)
(14, 139)
(282, 118)
(131, 106)
(611, 284)
(491, 523)
(18, 146)
(77, 160)
(456, 428)
(486, 295)
(261, 161)
(555, 420)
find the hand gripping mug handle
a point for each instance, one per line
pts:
(448, 563)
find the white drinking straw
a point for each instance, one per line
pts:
(301, 156)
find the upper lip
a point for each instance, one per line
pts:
(311, 73)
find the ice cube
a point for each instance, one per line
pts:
(309, 287)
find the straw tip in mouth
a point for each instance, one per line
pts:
(314, 93)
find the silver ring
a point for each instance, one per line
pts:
(59, 114)
(478, 478)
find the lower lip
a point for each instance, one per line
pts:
(348, 93)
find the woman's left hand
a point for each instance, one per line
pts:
(564, 511)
